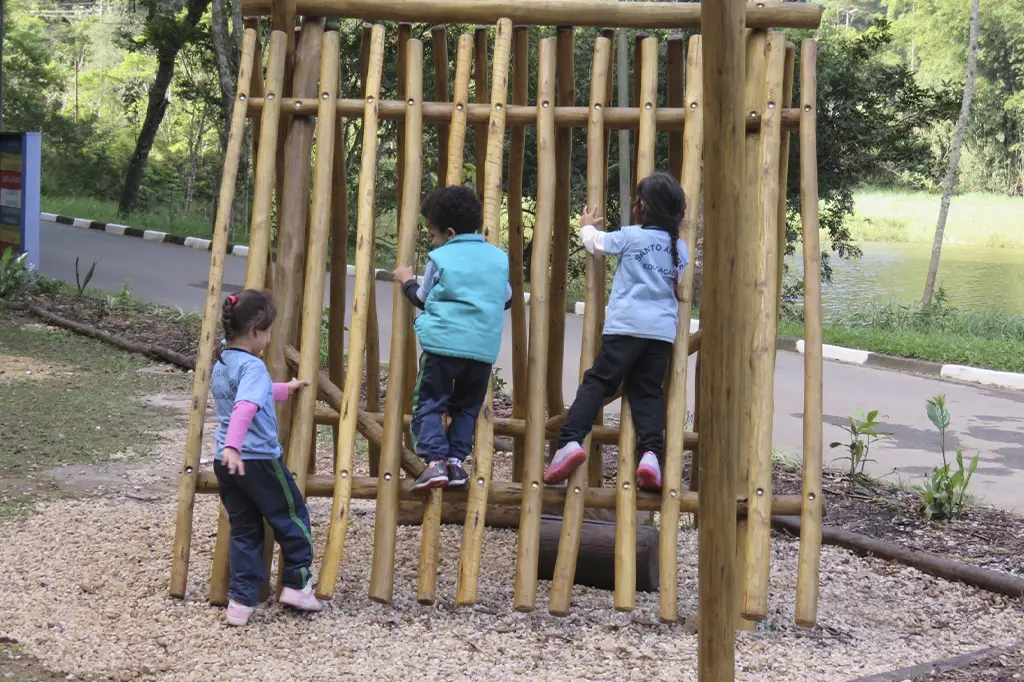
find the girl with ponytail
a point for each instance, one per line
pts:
(639, 330)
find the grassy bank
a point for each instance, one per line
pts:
(975, 219)
(106, 212)
(946, 334)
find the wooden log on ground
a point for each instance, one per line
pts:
(926, 562)
(483, 441)
(331, 563)
(547, 13)
(567, 551)
(525, 598)
(766, 172)
(208, 330)
(810, 534)
(597, 564)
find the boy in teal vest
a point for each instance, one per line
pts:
(463, 296)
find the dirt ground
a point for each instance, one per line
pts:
(88, 599)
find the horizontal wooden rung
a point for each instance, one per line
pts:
(574, 117)
(600, 13)
(365, 488)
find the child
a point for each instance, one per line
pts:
(639, 329)
(254, 486)
(464, 295)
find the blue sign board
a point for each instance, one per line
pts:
(19, 194)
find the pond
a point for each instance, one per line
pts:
(976, 279)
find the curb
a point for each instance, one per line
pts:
(852, 356)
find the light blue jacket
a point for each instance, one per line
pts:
(464, 292)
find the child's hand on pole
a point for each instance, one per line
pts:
(403, 273)
(590, 218)
(296, 384)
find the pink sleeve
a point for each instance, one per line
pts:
(281, 392)
(241, 417)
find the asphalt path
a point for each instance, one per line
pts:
(984, 420)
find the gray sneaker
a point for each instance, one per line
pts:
(434, 476)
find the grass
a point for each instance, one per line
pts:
(106, 212)
(975, 219)
(81, 403)
(947, 335)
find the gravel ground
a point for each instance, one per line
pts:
(89, 597)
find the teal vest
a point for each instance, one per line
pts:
(464, 313)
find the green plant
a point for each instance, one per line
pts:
(79, 282)
(498, 384)
(944, 489)
(49, 286)
(863, 434)
(14, 276)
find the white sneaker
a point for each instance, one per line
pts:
(566, 460)
(648, 474)
(238, 614)
(303, 600)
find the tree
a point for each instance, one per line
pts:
(949, 182)
(165, 33)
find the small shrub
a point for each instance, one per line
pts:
(944, 490)
(14, 276)
(498, 385)
(49, 286)
(863, 434)
(80, 283)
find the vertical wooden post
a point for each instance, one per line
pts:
(675, 60)
(625, 493)
(372, 334)
(787, 101)
(725, 309)
(517, 146)
(331, 565)
(525, 598)
(439, 42)
(481, 90)
(638, 65)
(810, 521)
(691, 146)
(426, 589)
(385, 526)
(483, 442)
(759, 495)
(753, 101)
(263, 191)
(208, 331)
(572, 516)
(316, 262)
(339, 262)
(560, 235)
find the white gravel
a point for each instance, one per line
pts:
(83, 587)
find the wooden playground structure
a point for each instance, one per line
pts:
(729, 119)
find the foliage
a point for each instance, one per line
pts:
(498, 385)
(14, 275)
(81, 283)
(944, 489)
(864, 433)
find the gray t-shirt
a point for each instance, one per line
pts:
(643, 302)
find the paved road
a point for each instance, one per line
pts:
(986, 420)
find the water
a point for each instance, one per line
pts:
(975, 278)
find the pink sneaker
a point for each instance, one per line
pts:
(648, 474)
(565, 461)
(238, 614)
(303, 600)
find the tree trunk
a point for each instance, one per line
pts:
(166, 55)
(224, 55)
(949, 182)
(150, 126)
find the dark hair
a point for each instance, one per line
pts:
(661, 203)
(248, 309)
(455, 207)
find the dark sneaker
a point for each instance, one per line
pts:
(457, 476)
(434, 476)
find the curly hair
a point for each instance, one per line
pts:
(455, 207)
